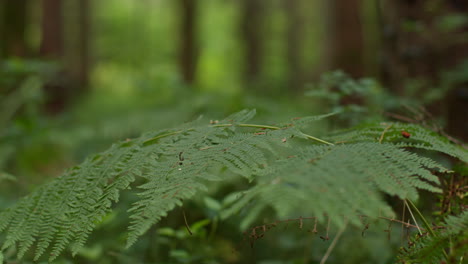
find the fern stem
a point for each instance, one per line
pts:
(414, 219)
(152, 140)
(274, 128)
(428, 226)
(333, 244)
(249, 125)
(186, 223)
(317, 139)
(383, 133)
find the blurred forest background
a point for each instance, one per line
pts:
(77, 75)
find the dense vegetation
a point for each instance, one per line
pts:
(220, 131)
(331, 183)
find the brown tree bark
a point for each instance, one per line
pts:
(52, 29)
(251, 29)
(294, 39)
(346, 42)
(188, 51)
(457, 98)
(12, 28)
(83, 44)
(56, 89)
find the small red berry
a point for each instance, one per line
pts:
(405, 134)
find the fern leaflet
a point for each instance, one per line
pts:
(420, 138)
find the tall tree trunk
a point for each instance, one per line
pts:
(251, 29)
(415, 48)
(457, 98)
(52, 31)
(347, 43)
(13, 27)
(403, 50)
(83, 44)
(56, 89)
(294, 39)
(188, 41)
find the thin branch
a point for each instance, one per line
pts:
(186, 224)
(412, 216)
(317, 139)
(403, 219)
(383, 133)
(154, 139)
(428, 226)
(333, 244)
(400, 117)
(248, 125)
(272, 128)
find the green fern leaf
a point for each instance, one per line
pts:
(430, 249)
(212, 150)
(174, 164)
(164, 168)
(420, 138)
(340, 181)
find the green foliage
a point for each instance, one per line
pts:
(355, 99)
(14, 71)
(68, 208)
(452, 22)
(427, 248)
(390, 132)
(6, 176)
(342, 181)
(286, 168)
(21, 96)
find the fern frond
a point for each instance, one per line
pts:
(212, 149)
(341, 181)
(166, 167)
(420, 138)
(430, 249)
(174, 163)
(68, 208)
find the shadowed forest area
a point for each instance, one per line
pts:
(148, 84)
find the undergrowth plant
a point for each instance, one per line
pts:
(335, 179)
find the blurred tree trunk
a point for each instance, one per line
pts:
(82, 73)
(413, 47)
(346, 43)
(403, 49)
(12, 28)
(56, 89)
(457, 98)
(188, 42)
(417, 48)
(294, 38)
(52, 33)
(76, 34)
(251, 29)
